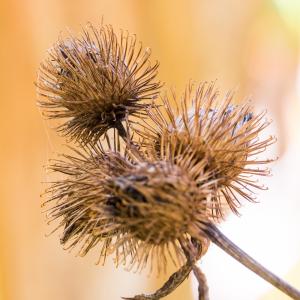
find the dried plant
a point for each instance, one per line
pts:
(95, 82)
(159, 195)
(223, 136)
(134, 206)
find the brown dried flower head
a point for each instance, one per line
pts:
(133, 205)
(223, 136)
(95, 82)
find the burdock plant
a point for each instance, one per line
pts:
(95, 82)
(159, 185)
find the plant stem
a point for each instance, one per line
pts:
(202, 283)
(123, 133)
(196, 250)
(172, 283)
(217, 237)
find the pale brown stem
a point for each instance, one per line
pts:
(202, 283)
(217, 237)
(173, 282)
(194, 253)
(123, 133)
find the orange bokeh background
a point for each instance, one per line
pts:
(250, 45)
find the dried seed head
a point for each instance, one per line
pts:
(95, 82)
(224, 137)
(135, 208)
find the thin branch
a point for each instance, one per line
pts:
(202, 283)
(122, 131)
(124, 134)
(217, 237)
(173, 282)
(198, 250)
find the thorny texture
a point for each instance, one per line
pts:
(158, 196)
(95, 82)
(134, 206)
(220, 136)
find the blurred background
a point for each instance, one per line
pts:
(250, 45)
